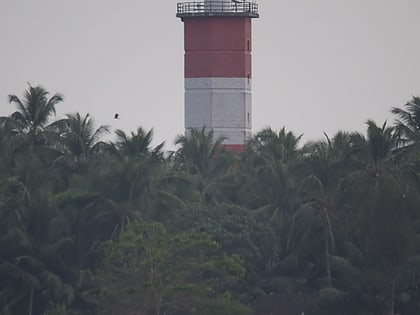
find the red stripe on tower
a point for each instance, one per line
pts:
(217, 42)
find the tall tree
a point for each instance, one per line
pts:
(6, 150)
(151, 271)
(281, 145)
(268, 181)
(324, 166)
(78, 140)
(137, 144)
(35, 243)
(378, 193)
(209, 166)
(408, 121)
(79, 136)
(33, 114)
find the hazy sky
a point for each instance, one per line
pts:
(318, 65)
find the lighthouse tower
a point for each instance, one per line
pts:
(217, 68)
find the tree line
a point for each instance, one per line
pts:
(89, 226)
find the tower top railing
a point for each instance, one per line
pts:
(217, 8)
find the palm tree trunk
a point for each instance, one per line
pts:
(328, 237)
(327, 260)
(31, 301)
(390, 300)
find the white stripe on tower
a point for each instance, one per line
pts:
(217, 42)
(223, 104)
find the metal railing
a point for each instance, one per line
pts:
(202, 8)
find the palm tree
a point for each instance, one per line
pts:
(130, 182)
(325, 164)
(378, 192)
(268, 174)
(78, 140)
(280, 145)
(33, 264)
(198, 150)
(269, 186)
(377, 157)
(33, 114)
(6, 150)
(205, 161)
(79, 136)
(137, 144)
(408, 121)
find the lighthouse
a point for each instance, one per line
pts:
(217, 68)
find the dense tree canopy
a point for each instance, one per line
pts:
(93, 226)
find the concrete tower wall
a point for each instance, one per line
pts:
(218, 76)
(222, 104)
(217, 47)
(217, 41)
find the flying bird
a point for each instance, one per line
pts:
(116, 116)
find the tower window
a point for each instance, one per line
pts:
(248, 45)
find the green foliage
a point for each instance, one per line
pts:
(57, 309)
(235, 229)
(157, 271)
(336, 219)
(331, 301)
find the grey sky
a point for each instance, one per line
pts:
(318, 65)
